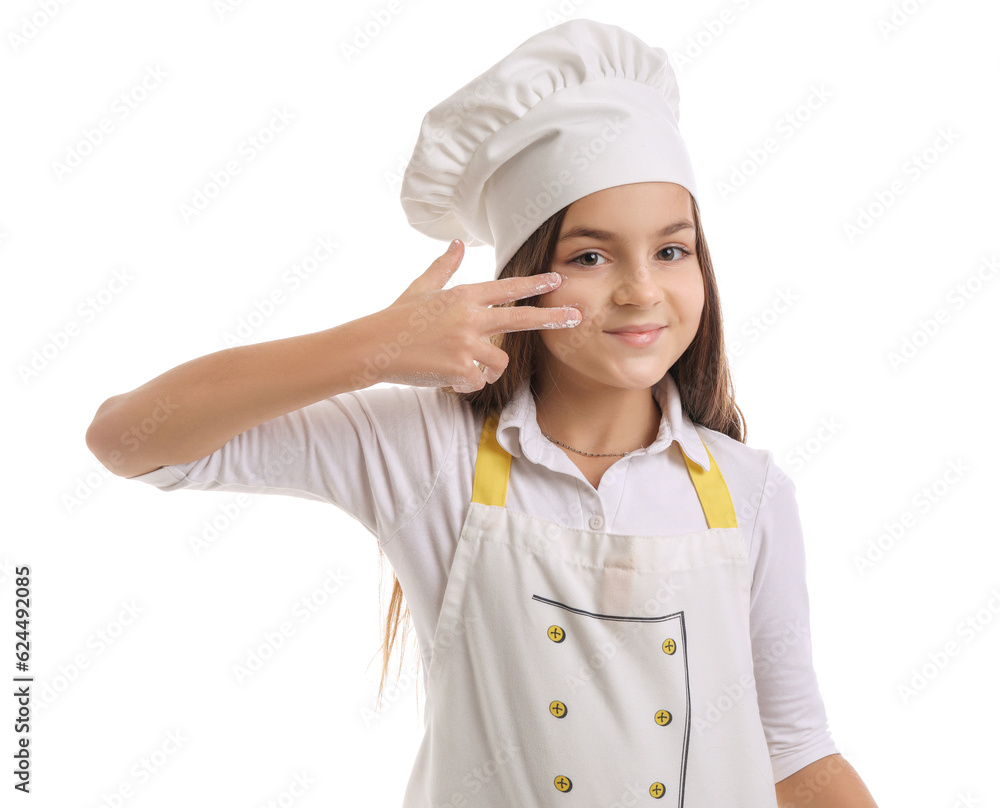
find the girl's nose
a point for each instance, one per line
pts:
(636, 283)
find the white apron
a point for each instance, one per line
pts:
(577, 668)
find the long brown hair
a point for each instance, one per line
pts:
(701, 372)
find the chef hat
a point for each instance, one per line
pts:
(577, 108)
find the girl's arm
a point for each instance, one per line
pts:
(830, 782)
(197, 407)
(430, 337)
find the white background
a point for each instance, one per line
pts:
(862, 437)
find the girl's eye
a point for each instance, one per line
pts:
(581, 255)
(680, 252)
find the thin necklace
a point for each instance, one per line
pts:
(608, 454)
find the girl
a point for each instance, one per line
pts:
(607, 584)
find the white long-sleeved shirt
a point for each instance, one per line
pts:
(401, 461)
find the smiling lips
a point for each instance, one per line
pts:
(638, 335)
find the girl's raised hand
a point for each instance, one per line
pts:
(433, 337)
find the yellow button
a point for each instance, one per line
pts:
(563, 783)
(558, 709)
(556, 634)
(663, 717)
(669, 646)
(657, 790)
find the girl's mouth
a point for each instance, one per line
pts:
(638, 339)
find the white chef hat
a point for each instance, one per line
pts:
(577, 108)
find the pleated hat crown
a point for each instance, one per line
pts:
(575, 109)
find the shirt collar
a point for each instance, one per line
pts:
(519, 434)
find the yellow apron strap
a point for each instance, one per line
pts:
(489, 485)
(713, 492)
(492, 467)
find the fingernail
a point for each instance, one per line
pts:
(453, 246)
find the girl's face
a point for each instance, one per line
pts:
(627, 255)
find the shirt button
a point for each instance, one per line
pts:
(596, 522)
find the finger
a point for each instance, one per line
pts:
(476, 378)
(473, 380)
(489, 375)
(492, 361)
(506, 290)
(531, 318)
(441, 270)
(488, 366)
